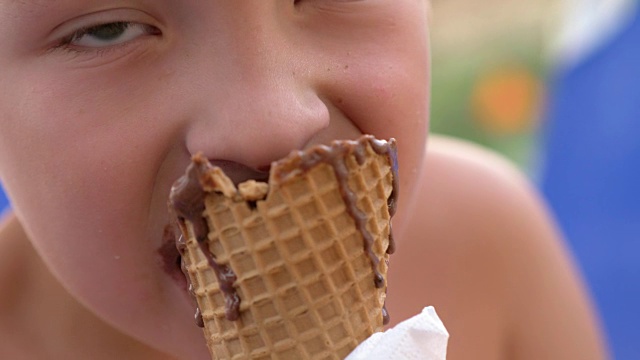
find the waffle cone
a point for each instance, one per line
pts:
(305, 282)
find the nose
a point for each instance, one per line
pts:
(255, 124)
(255, 104)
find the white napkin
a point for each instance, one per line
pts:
(421, 337)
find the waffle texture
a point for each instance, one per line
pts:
(304, 279)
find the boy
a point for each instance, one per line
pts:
(103, 103)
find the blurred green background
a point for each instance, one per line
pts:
(489, 63)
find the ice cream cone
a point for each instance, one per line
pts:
(288, 272)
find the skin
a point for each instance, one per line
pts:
(109, 129)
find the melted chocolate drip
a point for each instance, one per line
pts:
(350, 199)
(198, 317)
(187, 200)
(390, 148)
(181, 245)
(226, 278)
(392, 242)
(169, 257)
(335, 156)
(385, 315)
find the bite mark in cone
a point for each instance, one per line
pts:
(288, 263)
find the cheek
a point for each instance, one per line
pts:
(89, 181)
(54, 142)
(396, 105)
(386, 93)
(62, 163)
(82, 180)
(85, 135)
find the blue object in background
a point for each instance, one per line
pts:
(591, 177)
(4, 203)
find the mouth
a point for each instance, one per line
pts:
(169, 255)
(239, 173)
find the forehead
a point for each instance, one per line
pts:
(25, 3)
(13, 8)
(26, 9)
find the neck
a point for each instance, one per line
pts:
(45, 320)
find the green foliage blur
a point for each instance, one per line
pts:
(462, 58)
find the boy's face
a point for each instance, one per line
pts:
(102, 103)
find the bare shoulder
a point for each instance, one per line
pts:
(477, 204)
(472, 170)
(481, 247)
(12, 282)
(11, 259)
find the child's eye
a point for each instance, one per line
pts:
(109, 34)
